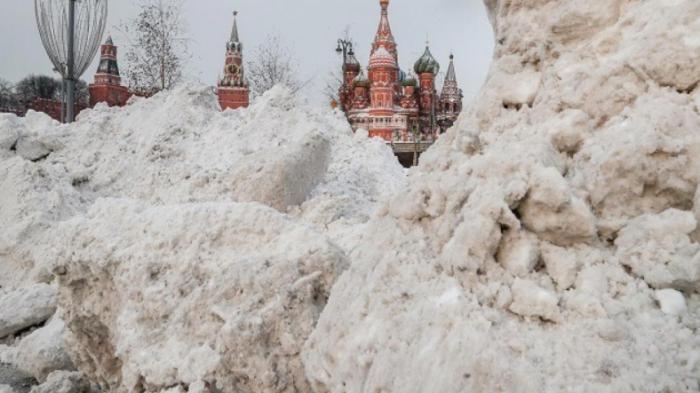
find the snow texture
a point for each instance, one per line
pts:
(548, 242)
(25, 308)
(41, 352)
(207, 240)
(64, 382)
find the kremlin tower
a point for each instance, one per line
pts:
(450, 99)
(107, 85)
(233, 87)
(388, 103)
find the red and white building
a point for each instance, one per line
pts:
(392, 105)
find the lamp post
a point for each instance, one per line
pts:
(344, 48)
(70, 65)
(70, 31)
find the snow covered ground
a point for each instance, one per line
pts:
(287, 182)
(549, 242)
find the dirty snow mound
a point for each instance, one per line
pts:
(549, 241)
(223, 294)
(180, 233)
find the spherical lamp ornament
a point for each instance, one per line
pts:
(71, 31)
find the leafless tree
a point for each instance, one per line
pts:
(272, 64)
(334, 80)
(7, 100)
(157, 49)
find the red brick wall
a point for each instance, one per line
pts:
(110, 94)
(233, 98)
(52, 107)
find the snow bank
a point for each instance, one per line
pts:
(206, 240)
(548, 242)
(222, 294)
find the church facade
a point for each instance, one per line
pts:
(392, 105)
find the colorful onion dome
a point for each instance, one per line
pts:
(427, 63)
(351, 63)
(361, 80)
(410, 80)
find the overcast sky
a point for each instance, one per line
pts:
(309, 27)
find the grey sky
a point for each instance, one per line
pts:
(309, 27)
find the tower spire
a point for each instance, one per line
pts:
(233, 86)
(451, 75)
(384, 35)
(450, 99)
(234, 31)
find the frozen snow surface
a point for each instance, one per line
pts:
(549, 242)
(193, 248)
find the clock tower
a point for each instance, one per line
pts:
(233, 87)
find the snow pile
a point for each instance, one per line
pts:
(178, 233)
(212, 294)
(549, 241)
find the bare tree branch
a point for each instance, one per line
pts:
(272, 64)
(157, 50)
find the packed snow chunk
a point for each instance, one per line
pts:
(282, 183)
(6, 389)
(32, 149)
(35, 135)
(26, 307)
(43, 351)
(475, 240)
(531, 300)
(561, 263)
(521, 89)
(8, 132)
(65, 382)
(569, 133)
(670, 59)
(554, 213)
(671, 301)
(223, 294)
(643, 161)
(519, 252)
(32, 197)
(658, 248)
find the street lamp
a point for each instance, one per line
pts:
(344, 47)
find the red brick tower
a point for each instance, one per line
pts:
(107, 85)
(233, 87)
(383, 73)
(427, 68)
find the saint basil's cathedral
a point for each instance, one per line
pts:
(404, 110)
